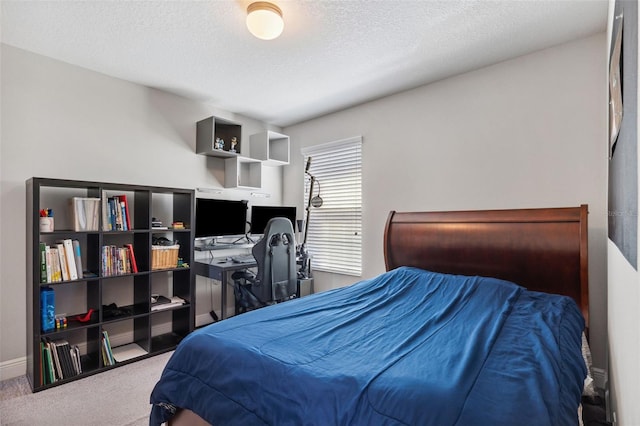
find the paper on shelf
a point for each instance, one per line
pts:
(125, 352)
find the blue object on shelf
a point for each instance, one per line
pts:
(48, 309)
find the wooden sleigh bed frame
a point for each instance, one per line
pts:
(541, 249)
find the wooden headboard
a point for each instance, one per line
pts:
(540, 249)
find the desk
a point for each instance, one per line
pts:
(218, 269)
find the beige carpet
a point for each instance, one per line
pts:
(118, 397)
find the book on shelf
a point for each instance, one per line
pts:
(125, 210)
(48, 374)
(106, 221)
(44, 278)
(70, 258)
(75, 356)
(115, 213)
(85, 213)
(132, 259)
(60, 355)
(77, 254)
(63, 261)
(107, 354)
(118, 260)
(122, 213)
(45, 263)
(129, 351)
(57, 367)
(54, 260)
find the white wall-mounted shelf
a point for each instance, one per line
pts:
(242, 172)
(267, 147)
(272, 148)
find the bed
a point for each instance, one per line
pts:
(444, 337)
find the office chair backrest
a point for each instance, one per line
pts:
(275, 254)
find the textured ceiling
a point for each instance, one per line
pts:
(333, 53)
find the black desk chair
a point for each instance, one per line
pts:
(276, 278)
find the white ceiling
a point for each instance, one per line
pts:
(333, 53)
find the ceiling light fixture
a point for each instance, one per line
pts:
(264, 20)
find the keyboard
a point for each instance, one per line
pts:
(219, 246)
(243, 258)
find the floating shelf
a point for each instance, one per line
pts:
(242, 172)
(270, 147)
(209, 129)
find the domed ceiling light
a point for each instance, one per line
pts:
(264, 20)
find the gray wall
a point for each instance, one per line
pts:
(62, 121)
(529, 132)
(624, 317)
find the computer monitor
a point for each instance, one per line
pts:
(220, 218)
(260, 215)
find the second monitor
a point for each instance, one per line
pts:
(260, 215)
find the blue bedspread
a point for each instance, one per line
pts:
(409, 347)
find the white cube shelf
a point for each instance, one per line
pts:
(242, 172)
(209, 129)
(272, 148)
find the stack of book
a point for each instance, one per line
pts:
(61, 261)
(115, 213)
(107, 353)
(60, 360)
(118, 260)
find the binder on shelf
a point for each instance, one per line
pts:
(85, 213)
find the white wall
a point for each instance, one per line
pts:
(529, 132)
(62, 121)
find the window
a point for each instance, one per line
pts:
(334, 238)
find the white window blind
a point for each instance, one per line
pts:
(334, 238)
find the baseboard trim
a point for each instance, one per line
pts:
(13, 368)
(205, 319)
